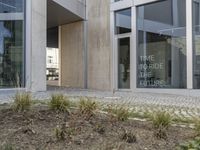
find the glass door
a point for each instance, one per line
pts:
(123, 62)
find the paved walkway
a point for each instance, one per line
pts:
(127, 97)
(181, 106)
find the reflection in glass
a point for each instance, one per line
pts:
(11, 6)
(11, 46)
(124, 63)
(161, 53)
(123, 21)
(196, 44)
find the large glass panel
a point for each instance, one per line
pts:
(11, 44)
(123, 21)
(196, 43)
(52, 57)
(11, 6)
(161, 52)
(124, 63)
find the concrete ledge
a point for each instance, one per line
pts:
(75, 6)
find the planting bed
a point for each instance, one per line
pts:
(39, 129)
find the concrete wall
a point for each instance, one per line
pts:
(99, 44)
(72, 67)
(36, 45)
(96, 70)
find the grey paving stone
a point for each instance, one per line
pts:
(180, 105)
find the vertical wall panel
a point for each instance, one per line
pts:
(72, 67)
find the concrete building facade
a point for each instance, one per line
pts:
(109, 45)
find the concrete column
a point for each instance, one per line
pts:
(36, 46)
(99, 51)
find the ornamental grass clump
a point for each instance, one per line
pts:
(161, 123)
(129, 137)
(197, 126)
(59, 103)
(60, 133)
(22, 102)
(120, 112)
(190, 145)
(7, 147)
(87, 106)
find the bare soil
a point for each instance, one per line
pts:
(35, 130)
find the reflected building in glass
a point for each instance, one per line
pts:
(161, 52)
(163, 44)
(11, 44)
(109, 45)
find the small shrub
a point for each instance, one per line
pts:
(129, 137)
(63, 132)
(22, 102)
(122, 113)
(99, 129)
(7, 147)
(59, 103)
(191, 145)
(60, 133)
(197, 126)
(161, 119)
(87, 106)
(161, 122)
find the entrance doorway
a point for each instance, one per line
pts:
(52, 57)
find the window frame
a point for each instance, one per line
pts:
(189, 44)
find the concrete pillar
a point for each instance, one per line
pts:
(36, 45)
(99, 51)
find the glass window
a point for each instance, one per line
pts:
(161, 52)
(123, 21)
(11, 6)
(124, 63)
(196, 44)
(11, 45)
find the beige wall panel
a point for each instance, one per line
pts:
(72, 55)
(99, 44)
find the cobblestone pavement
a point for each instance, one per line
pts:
(179, 106)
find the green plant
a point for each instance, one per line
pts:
(87, 106)
(129, 137)
(161, 123)
(161, 119)
(197, 126)
(22, 102)
(7, 147)
(59, 102)
(99, 129)
(191, 145)
(60, 133)
(122, 113)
